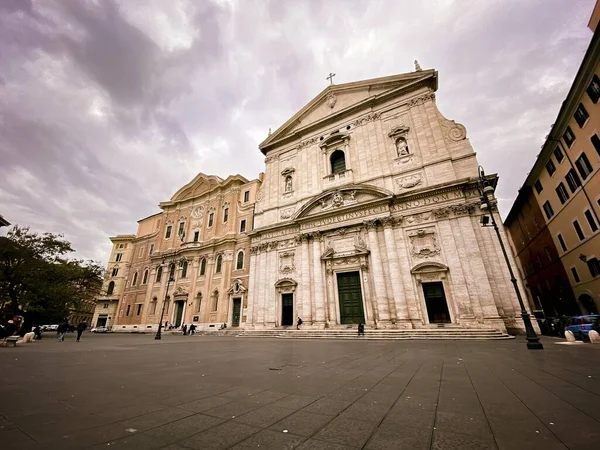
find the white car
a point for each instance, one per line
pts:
(100, 330)
(49, 327)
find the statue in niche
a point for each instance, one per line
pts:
(288, 183)
(338, 199)
(402, 147)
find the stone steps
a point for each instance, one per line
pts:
(426, 333)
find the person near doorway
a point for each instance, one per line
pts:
(184, 329)
(80, 329)
(298, 323)
(361, 329)
(192, 329)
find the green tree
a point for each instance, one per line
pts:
(38, 280)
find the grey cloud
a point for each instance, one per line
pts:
(103, 118)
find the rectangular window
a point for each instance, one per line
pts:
(558, 154)
(246, 196)
(569, 137)
(550, 167)
(596, 143)
(168, 232)
(591, 221)
(581, 115)
(548, 209)
(593, 90)
(562, 242)
(128, 310)
(583, 166)
(575, 274)
(151, 249)
(119, 257)
(562, 193)
(139, 310)
(548, 253)
(115, 271)
(211, 219)
(225, 215)
(594, 266)
(243, 226)
(538, 187)
(141, 253)
(539, 260)
(578, 230)
(180, 232)
(573, 180)
(196, 236)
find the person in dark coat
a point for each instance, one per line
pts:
(298, 323)
(361, 329)
(37, 331)
(184, 329)
(61, 331)
(80, 329)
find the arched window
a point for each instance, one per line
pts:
(159, 274)
(288, 183)
(215, 300)
(154, 303)
(219, 263)
(239, 264)
(134, 281)
(198, 301)
(203, 266)
(402, 147)
(338, 162)
(111, 288)
(184, 267)
(172, 272)
(145, 278)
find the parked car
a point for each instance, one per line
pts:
(49, 327)
(100, 330)
(580, 326)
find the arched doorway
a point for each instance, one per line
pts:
(286, 288)
(588, 305)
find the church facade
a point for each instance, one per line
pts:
(369, 212)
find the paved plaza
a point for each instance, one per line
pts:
(129, 391)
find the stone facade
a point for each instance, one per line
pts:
(200, 237)
(368, 211)
(115, 276)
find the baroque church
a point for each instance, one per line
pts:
(368, 211)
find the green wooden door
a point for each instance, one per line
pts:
(237, 305)
(350, 295)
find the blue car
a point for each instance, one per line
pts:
(580, 326)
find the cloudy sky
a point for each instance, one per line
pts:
(108, 107)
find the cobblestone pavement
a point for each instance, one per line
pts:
(129, 391)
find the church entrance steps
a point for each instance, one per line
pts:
(425, 333)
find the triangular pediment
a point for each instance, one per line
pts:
(341, 198)
(341, 99)
(199, 185)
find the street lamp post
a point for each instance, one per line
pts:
(533, 342)
(162, 312)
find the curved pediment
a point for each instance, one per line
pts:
(341, 197)
(199, 185)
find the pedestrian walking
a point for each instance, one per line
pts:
(298, 323)
(61, 331)
(184, 329)
(80, 329)
(192, 329)
(361, 329)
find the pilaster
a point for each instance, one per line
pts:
(381, 297)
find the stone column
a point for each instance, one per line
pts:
(381, 296)
(331, 314)
(303, 293)
(319, 298)
(251, 288)
(399, 310)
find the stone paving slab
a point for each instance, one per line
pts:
(208, 392)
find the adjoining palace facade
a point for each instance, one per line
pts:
(200, 242)
(369, 212)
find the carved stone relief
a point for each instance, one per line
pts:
(423, 243)
(410, 181)
(198, 212)
(286, 262)
(331, 100)
(287, 213)
(338, 199)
